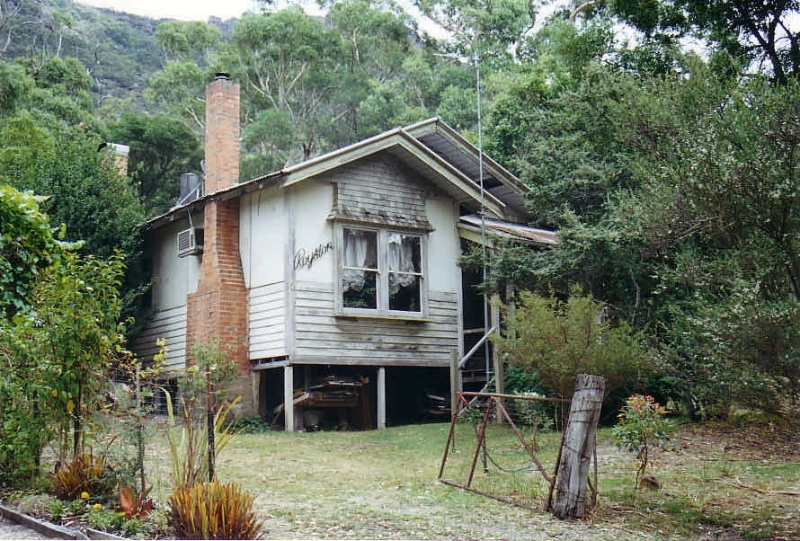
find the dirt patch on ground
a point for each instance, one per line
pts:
(770, 441)
(731, 482)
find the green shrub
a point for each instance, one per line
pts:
(56, 511)
(77, 506)
(131, 528)
(104, 519)
(107, 520)
(531, 413)
(522, 381)
(250, 425)
(517, 379)
(214, 511)
(23, 421)
(560, 339)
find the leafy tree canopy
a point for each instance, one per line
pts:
(488, 29)
(755, 30)
(27, 246)
(161, 149)
(187, 40)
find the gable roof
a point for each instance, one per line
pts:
(430, 148)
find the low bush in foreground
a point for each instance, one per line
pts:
(214, 511)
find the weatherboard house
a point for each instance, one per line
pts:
(333, 283)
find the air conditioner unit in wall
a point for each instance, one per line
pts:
(190, 242)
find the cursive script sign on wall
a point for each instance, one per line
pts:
(306, 259)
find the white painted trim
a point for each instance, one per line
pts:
(459, 287)
(289, 271)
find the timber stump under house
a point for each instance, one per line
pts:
(334, 281)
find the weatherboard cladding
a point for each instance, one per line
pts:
(267, 321)
(169, 325)
(324, 338)
(380, 191)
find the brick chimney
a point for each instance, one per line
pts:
(222, 134)
(217, 310)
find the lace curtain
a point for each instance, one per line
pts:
(401, 261)
(359, 252)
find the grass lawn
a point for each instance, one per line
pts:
(718, 483)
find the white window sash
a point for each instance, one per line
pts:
(395, 269)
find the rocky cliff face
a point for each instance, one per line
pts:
(119, 50)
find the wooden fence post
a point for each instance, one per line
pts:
(577, 448)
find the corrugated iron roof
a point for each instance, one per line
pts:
(511, 230)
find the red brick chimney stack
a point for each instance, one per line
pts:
(217, 310)
(222, 134)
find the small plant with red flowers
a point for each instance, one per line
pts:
(641, 426)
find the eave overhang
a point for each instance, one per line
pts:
(454, 148)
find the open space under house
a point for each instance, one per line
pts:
(335, 281)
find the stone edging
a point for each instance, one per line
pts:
(52, 531)
(98, 534)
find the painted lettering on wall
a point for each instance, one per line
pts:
(306, 259)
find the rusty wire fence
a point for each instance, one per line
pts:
(504, 447)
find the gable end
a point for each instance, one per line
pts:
(379, 190)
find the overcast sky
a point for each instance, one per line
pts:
(188, 10)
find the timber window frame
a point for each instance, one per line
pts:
(381, 272)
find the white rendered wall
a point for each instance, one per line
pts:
(444, 245)
(313, 257)
(173, 276)
(263, 237)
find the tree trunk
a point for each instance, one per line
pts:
(210, 418)
(577, 448)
